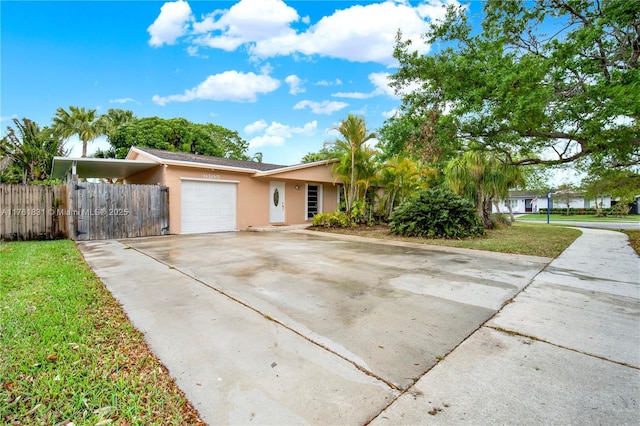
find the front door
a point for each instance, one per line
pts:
(528, 207)
(276, 202)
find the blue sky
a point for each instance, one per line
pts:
(280, 73)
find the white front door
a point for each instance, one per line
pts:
(276, 202)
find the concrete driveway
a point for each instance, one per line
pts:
(299, 328)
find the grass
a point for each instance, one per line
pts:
(634, 238)
(68, 353)
(579, 218)
(520, 238)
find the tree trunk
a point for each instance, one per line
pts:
(486, 214)
(511, 216)
(482, 210)
(353, 181)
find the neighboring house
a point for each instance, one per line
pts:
(522, 202)
(635, 206)
(532, 202)
(211, 194)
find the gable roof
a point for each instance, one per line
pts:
(527, 194)
(184, 157)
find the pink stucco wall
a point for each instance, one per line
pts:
(253, 191)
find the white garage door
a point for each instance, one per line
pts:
(208, 206)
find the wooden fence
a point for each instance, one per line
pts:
(31, 212)
(83, 211)
(102, 211)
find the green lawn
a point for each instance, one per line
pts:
(67, 350)
(579, 218)
(520, 238)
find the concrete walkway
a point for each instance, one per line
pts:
(565, 350)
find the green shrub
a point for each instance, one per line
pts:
(358, 213)
(499, 220)
(620, 209)
(335, 219)
(436, 213)
(579, 211)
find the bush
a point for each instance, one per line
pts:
(620, 209)
(436, 213)
(499, 220)
(358, 214)
(581, 211)
(335, 219)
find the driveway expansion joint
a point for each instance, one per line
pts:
(537, 339)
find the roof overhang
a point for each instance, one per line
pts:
(297, 167)
(180, 163)
(98, 167)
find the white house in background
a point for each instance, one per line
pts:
(532, 202)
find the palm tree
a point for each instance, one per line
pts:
(79, 121)
(400, 177)
(28, 152)
(354, 136)
(113, 119)
(482, 176)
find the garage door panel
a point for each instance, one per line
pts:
(208, 207)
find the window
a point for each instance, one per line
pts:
(514, 204)
(314, 200)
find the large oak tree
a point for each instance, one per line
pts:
(542, 82)
(178, 134)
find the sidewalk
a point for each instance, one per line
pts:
(566, 350)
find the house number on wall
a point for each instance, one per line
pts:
(206, 176)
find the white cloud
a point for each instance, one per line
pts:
(295, 84)
(324, 107)
(276, 133)
(247, 21)
(392, 113)
(195, 52)
(337, 82)
(379, 80)
(123, 101)
(227, 86)
(266, 141)
(352, 95)
(256, 126)
(171, 24)
(360, 33)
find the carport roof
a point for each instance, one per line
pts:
(106, 168)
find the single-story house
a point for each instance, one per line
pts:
(211, 194)
(532, 202)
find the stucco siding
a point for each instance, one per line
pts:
(318, 173)
(153, 176)
(253, 194)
